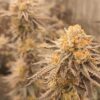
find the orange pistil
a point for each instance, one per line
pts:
(81, 55)
(55, 58)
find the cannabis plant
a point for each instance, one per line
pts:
(49, 62)
(25, 18)
(18, 80)
(22, 45)
(71, 63)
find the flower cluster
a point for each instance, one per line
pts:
(18, 81)
(74, 60)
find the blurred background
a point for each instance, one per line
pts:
(70, 12)
(83, 12)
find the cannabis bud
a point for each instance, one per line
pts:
(74, 59)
